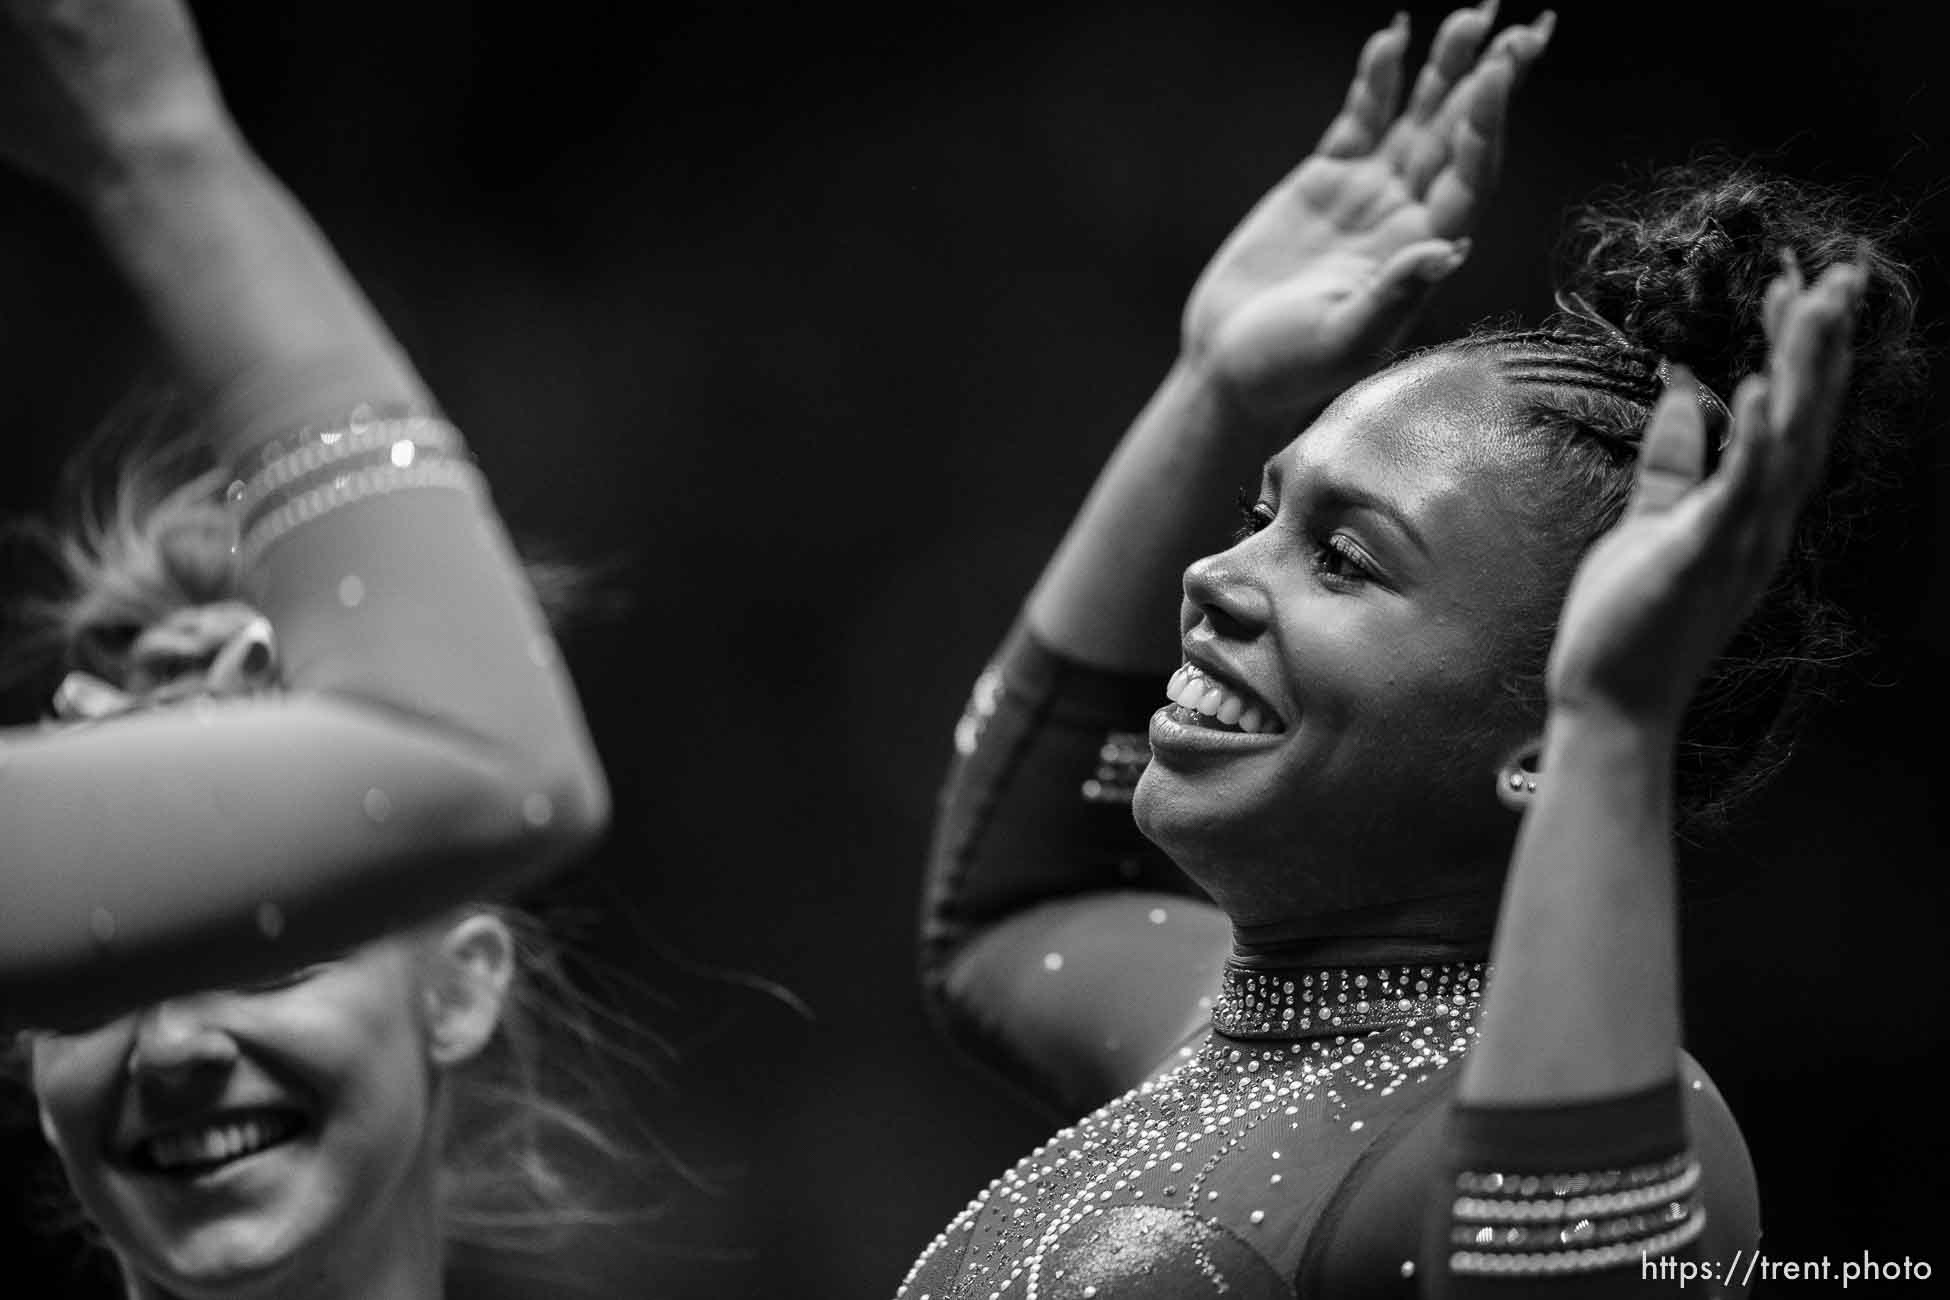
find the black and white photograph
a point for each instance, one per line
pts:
(1078, 652)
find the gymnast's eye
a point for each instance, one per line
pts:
(288, 980)
(1341, 563)
(1254, 515)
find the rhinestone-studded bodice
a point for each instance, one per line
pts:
(1209, 1177)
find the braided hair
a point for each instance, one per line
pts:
(1677, 272)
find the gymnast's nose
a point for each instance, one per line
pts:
(1219, 591)
(178, 1043)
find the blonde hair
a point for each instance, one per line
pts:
(144, 533)
(536, 1122)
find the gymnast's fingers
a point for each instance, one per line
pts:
(1812, 365)
(1372, 98)
(1523, 46)
(1808, 360)
(1450, 58)
(1740, 478)
(1464, 174)
(1672, 453)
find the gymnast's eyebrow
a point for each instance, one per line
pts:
(1339, 494)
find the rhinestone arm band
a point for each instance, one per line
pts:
(1572, 1189)
(1534, 1224)
(358, 422)
(309, 474)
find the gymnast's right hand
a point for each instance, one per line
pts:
(1328, 271)
(88, 87)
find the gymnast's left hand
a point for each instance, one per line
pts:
(1659, 596)
(89, 88)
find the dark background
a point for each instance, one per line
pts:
(812, 328)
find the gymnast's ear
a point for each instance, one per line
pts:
(1517, 777)
(467, 986)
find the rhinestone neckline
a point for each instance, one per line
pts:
(1309, 1002)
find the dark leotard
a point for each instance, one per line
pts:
(1302, 1138)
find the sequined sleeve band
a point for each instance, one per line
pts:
(1568, 1190)
(315, 471)
(1540, 1224)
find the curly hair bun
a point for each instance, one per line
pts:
(1678, 268)
(1682, 263)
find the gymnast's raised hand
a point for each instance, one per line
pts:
(1658, 597)
(1304, 298)
(1329, 269)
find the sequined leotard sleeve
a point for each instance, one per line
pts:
(1304, 1139)
(427, 748)
(1059, 947)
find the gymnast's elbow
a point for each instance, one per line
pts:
(565, 804)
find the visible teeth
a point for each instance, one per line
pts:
(213, 1144)
(1190, 688)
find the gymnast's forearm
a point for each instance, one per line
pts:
(1584, 1000)
(1573, 1082)
(267, 329)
